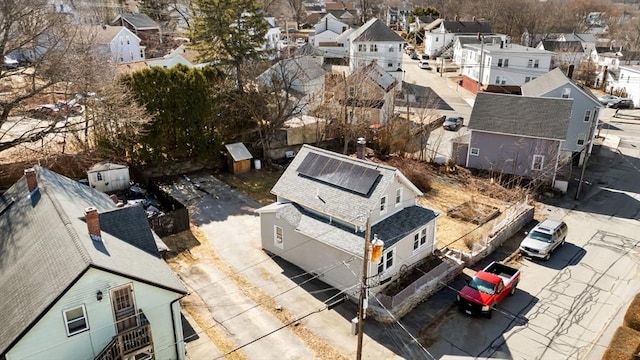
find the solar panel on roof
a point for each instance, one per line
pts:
(346, 175)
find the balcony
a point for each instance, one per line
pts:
(131, 342)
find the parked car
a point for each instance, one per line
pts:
(605, 99)
(621, 104)
(453, 123)
(544, 238)
(409, 49)
(46, 111)
(10, 63)
(488, 288)
(414, 56)
(424, 64)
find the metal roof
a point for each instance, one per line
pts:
(238, 151)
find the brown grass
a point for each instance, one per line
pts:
(193, 246)
(632, 316)
(256, 184)
(623, 345)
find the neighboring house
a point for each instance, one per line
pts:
(109, 177)
(520, 135)
(116, 43)
(143, 26)
(375, 41)
(326, 35)
(301, 75)
(610, 80)
(344, 12)
(181, 55)
(440, 34)
(585, 111)
(609, 57)
(421, 22)
(397, 17)
(503, 67)
(588, 41)
(81, 277)
(367, 96)
(272, 37)
(566, 53)
(460, 51)
(324, 203)
(628, 83)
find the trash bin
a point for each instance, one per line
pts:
(258, 164)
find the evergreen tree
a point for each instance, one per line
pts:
(229, 32)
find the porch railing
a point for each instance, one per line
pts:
(128, 341)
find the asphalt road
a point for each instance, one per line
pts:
(568, 307)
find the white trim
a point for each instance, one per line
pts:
(278, 241)
(533, 162)
(383, 261)
(421, 237)
(398, 192)
(67, 321)
(383, 205)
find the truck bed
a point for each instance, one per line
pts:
(507, 273)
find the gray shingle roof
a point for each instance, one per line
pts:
(46, 247)
(562, 46)
(238, 151)
(375, 30)
(469, 27)
(139, 21)
(390, 230)
(552, 80)
(521, 115)
(327, 198)
(373, 71)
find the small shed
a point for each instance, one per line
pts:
(109, 177)
(239, 158)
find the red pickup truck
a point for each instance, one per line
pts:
(488, 288)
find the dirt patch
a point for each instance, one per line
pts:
(256, 184)
(473, 212)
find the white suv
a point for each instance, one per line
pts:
(544, 238)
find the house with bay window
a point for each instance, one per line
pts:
(325, 202)
(82, 277)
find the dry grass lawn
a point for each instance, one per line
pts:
(624, 345)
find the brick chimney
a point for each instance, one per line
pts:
(93, 221)
(30, 175)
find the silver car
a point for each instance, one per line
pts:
(543, 239)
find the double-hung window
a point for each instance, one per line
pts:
(387, 261)
(75, 320)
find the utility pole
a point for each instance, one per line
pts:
(481, 38)
(587, 147)
(363, 289)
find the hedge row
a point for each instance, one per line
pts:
(625, 343)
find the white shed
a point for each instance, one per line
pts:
(109, 177)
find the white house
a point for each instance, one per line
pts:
(566, 53)
(629, 82)
(108, 177)
(440, 34)
(82, 278)
(116, 43)
(503, 67)
(272, 37)
(327, 31)
(375, 41)
(588, 41)
(324, 202)
(460, 50)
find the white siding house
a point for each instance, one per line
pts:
(503, 67)
(375, 41)
(629, 82)
(116, 43)
(327, 31)
(441, 34)
(318, 222)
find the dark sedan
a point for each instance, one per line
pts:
(453, 123)
(621, 104)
